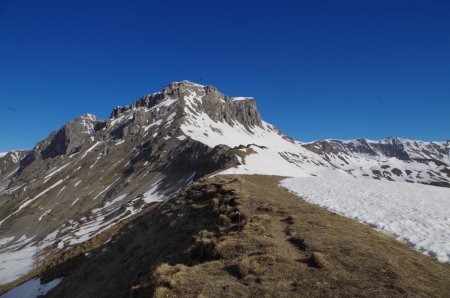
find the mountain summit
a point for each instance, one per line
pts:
(93, 174)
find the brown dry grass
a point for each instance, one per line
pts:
(284, 247)
(292, 248)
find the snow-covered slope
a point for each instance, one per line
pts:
(274, 153)
(3, 154)
(415, 213)
(392, 159)
(93, 174)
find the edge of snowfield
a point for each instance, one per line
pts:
(414, 213)
(31, 289)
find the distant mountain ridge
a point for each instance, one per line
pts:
(423, 162)
(403, 149)
(92, 173)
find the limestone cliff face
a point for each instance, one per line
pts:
(215, 104)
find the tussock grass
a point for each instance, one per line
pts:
(224, 221)
(263, 218)
(258, 228)
(289, 248)
(204, 249)
(250, 266)
(317, 260)
(166, 275)
(162, 292)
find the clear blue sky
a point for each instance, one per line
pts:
(318, 69)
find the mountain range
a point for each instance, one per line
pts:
(92, 174)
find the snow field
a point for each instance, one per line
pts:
(414, 213)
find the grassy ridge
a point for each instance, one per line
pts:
(247, 237)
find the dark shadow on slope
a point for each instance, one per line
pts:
(121, 267)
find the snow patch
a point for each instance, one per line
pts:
(16, 263)
(90, 149)
(109, 203)
(6, 240)
(415, 213)
(152, 124)
(39, 195)
(32, 289)
(51, 174)
(44, 214)
(152, 195)
(241, 98)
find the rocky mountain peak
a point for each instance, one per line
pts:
(69, 138)
(182, 86)
(92, 174)
(190, 102)
(207, 101)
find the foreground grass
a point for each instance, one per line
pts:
(289, 247)
(247, 237)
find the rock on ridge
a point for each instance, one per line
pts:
(70, 138)
(194, 99)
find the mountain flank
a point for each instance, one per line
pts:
(196, 245)
(82, 184)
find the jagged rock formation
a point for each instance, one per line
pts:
(92, 174)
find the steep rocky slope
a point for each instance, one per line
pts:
(92, 174)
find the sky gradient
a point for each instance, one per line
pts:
(318, 69)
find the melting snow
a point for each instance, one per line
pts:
(16, 263)
(90, 149)
(152, 124)
(152, 195)
(31, 289)
(170, 119)
(109, 203)
(15, 156)
(415, 213)
(55, 172)
(44, 214)
(40, 195)
(6, 240)
(104, 190)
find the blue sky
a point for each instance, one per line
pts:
(318, 69)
